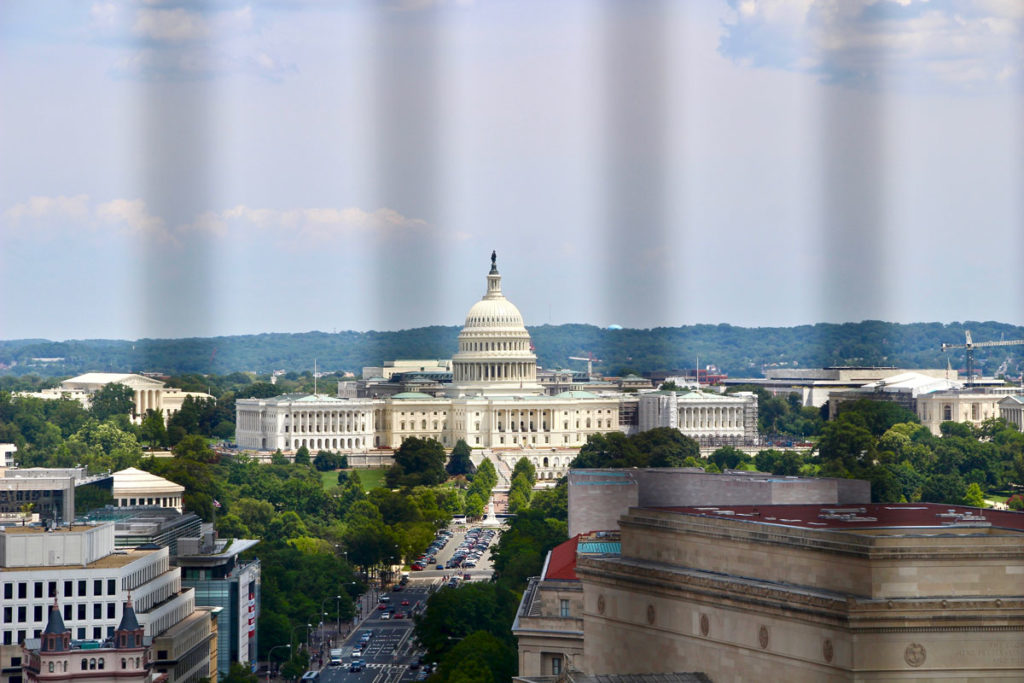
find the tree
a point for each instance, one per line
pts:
(240, 673)
(302, 456)
(524, 466)
(152, 429)
(112, 399)
(418, 462)
(326, 461)
(974, 496)
(460, 462)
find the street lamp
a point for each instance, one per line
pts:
(323, 602)
(294, 629)
(270, 658)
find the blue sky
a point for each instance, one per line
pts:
(203, 168)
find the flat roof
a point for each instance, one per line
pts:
(118, 558)
(863, 517)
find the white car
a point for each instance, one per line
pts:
(385, 616)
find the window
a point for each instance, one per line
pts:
(947, 413)
(563, 608)
(99, 662)
(50, 667)
(39, 589)
(81, 589)
(124, 663)
(67, 612)
(85, 662)
(51, 591)
(8, 591)
(97, 633)
(37, 613)
(111, 610)
(69, 589)
(556, 664)
(22, 590)
(8, 637)
(111, 587)
(81, 634)
(8, 613)
(975, 411)
(21, 614)
(97, 587)
(97, 611)
(81, 614)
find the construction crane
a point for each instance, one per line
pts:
(970, 345)
(590, 363)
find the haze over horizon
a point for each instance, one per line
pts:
(181, 168)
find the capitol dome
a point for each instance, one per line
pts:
(495, 355)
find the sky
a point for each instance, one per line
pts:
(189, 168)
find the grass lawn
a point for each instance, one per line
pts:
(371, 479)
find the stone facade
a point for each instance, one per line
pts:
(710, 419)
(810, 593)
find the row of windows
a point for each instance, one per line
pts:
(18, 637)
(48, 589)
(69, 612)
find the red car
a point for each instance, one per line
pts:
(405, 603)
(399, 615)
(382, 607)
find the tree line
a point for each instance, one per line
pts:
(738, 351)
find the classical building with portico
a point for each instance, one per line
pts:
(493, 401)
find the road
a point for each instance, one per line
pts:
(392, 647)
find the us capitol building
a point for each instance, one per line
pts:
(493, 401)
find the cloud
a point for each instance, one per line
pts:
(178, 24)
(130, 215)
(967, 44)
(182, 40)
(305, 225)
(79, 214)
(45, 208)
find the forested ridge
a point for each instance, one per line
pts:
(738, 351)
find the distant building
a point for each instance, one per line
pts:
(488, 394)
(710, 419)
(969, 405)
(49, 491)
(815, 385)
(7, 451)
(134, 487)
(1011, 409)
(149, 393)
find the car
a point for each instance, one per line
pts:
(357, 651)
(356, 666)
(405, 603)
(418, 567)
(382, 606)
(385, 598)
(399, 615)
(397, 587)
(415, 664)
(385, 616)
(440, 566)
(466, 577)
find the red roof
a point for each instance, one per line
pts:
(863, 516)
(562, 561)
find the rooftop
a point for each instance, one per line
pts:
(118, 558)
(865, 518)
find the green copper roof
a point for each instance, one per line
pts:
(411, 394)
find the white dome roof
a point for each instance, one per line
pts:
(494, 313)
